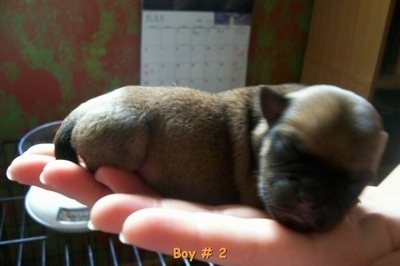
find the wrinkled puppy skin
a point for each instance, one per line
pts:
(303, 154)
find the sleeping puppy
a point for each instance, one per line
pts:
(303, 154)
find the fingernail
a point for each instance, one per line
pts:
(8, 174)
(42, 180)
(122, 239)
(91, 226)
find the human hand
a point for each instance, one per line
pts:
(369, 235)
(122, 204)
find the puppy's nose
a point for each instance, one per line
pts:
(305, 205)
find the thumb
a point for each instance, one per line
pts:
(225, 239)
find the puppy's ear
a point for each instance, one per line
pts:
(272, 103)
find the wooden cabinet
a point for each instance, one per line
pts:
(346, 44)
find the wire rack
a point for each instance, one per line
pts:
(24, 242)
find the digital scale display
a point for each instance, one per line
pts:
(73, 215)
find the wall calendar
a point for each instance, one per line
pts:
(200, 49)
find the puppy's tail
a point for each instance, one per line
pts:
(62, 141)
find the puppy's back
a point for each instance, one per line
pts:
(178, 139)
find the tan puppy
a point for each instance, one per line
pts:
(304, 155)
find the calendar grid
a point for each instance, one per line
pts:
(208, 52)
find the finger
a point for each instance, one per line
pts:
(120, 181)
(44, 149)
(109, 213)
(233, 240)
(73, 181)
(27, 168)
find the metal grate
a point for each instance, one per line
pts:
(25, 242)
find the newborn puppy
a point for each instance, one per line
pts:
(302, 154)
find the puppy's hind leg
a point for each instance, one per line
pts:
(117, 138)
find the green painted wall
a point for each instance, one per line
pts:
(55, 54)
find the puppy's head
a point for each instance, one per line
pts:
(323, 146)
